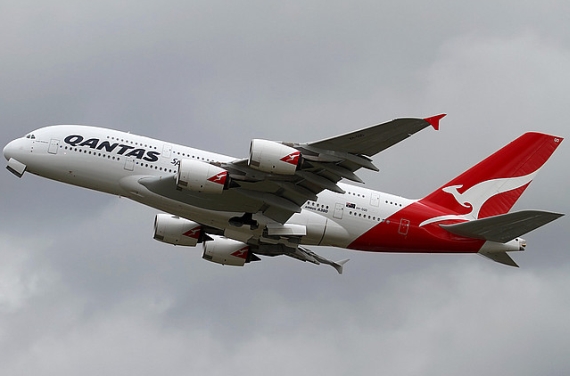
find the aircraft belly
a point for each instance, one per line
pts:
(315, 225)
(335, 235)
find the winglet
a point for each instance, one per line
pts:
(434, 121)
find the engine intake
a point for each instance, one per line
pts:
(273, 157)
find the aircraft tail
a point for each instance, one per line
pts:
(492, 186)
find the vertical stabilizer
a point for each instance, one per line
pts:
(492, 186)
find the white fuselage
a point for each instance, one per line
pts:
(113, 162)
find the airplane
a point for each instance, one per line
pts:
(286, 197)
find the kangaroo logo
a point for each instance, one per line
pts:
(193, 232)
(219, 178)
(241, 253)
(476, 196)
(292, 158)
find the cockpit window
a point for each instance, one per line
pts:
(31, 135)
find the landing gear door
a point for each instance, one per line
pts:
(53, 146)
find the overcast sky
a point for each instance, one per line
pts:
(85, 290)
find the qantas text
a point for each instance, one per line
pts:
(94, 143)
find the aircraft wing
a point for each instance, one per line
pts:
(323, 163)
(372, 140)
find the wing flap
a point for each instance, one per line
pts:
(299, 253)
(320, 181)
(333, 156)
(270, 199)
(339, 171)
(305, 254)
(505, 227)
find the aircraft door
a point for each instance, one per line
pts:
(338, 210)
(129, 164)
(404, 226)
(375, 199)
(166, 150)
(53, 146)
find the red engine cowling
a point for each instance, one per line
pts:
(273, 157)
(226, 251)
(201, 177)
(175, 230)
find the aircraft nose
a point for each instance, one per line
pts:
(9, 150)
(14, 149)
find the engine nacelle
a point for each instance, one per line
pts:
(226, 251)
(175, 230)
(273, 157)
(201, 177)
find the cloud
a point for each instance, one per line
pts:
(20, 280)
(481, 77)
(471, 319)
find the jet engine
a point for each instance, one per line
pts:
(273, 157)
(227, 252)
(201, 177)
(175, 230)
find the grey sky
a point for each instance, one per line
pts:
(85, 290)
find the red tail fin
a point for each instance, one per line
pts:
(492, 186)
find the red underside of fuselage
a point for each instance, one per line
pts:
(401, 232)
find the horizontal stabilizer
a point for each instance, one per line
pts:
(503, 228)
(501, 258)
